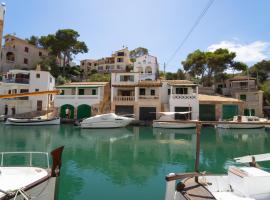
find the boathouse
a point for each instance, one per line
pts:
(214, 108)
(83, 99)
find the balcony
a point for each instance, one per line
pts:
(183, 96)
(17, 80)
(148, 97)
(74, 97)
(124, 98)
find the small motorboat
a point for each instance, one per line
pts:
(241, 183)
(32, 121)
(110, 120)
(29, 181)
(167, 120)
(243, 122)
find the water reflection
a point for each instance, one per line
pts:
(131, 161)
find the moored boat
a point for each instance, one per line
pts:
(110, 120)
(243, 122)
(32, 121)
(30, 182)
(241, 183)
(167, 121)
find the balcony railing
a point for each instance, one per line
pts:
(17, 80)
(70, 97)
(183, 96)
(124, 98)
(148, 97)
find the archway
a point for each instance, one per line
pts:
(83, 111)
(10, 56)
(148, 70)
(63, 111)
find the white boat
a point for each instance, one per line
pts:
(243, 122)
(268, 125)
(2, 118)
(30, 182)
(110, 120)
(32, 121)
(241, 183)
(167, 121)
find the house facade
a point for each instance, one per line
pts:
(22, 81)
(83, 99)
(246, 89)
(180, 96)
(19, 54)
(147, 66)
(117, 62)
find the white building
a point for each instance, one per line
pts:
(22, 81)
(147, 66)
(83, 99)
(180, 96)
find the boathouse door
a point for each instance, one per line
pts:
(147, 113)
(83, 111)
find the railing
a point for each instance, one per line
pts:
(148, 97)
(30, 156)
(183, 96)
(76, 97)
(124, 98)
(17, 80)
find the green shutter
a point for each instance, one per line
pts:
(83, 111)
(207, 112)
(249, 112)
(63, 111)
(229, 111)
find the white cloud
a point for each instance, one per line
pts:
(248, 53)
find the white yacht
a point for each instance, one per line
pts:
(110, 120)
(32, 121)
(241, 183)
(167, 121)
(29, 182)
(243, 122)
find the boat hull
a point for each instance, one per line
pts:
(106, 124)
(30, 122)
(240, 126)
(173, 125)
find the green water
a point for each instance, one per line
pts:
(131, 163)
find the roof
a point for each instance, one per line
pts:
(217, 99)
(83, 84)
(241, 78)
(150, 83)
(179, 82)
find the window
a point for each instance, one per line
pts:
(243, 84)
(50, 79)
(10, 56)
(37, 75)
(25, 61)
(81, 91)
(127, 78)
(62, 92)
(26, 49)
(169, 91)
(94, 92)
(142, 91)
(153, 92)
(120, 54)
(243, 97)
(40, 53)
(181, 90)
(249, 112)
(36, 90)
(120, 60)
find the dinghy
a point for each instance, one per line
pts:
(167, 120)
(32, 121)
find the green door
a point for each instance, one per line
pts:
(207, 112)
(83, 111)
(229, 111)
(249, 112)
(63, 111)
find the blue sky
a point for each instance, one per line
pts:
(159, 25)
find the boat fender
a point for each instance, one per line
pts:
(180, 186)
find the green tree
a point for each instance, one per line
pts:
(64, 44)
(260, 69)
(34, 40)
(180, 75)
(207, 65)
(99, 78)
(265, 87)
(135, 53)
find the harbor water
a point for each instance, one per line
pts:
(131, 163)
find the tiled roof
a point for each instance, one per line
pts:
(83, 84)
(179, 82)
(241, 78)
(217, 99)
(150, 84)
